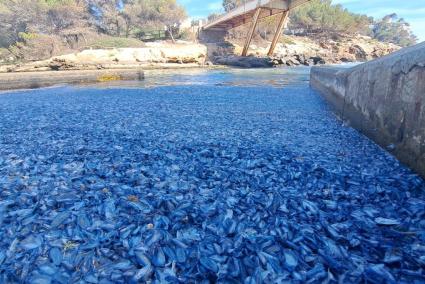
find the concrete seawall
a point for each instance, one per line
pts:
(384, 99)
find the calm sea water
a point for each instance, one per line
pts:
(278, 77)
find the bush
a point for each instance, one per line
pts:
(5, 56)
(27, 36)
(286, 40)
(188, 35)
(33, 47)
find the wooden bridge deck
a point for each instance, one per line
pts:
(245, 13)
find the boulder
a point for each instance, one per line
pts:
(317, 60)
(244, 62)
(60, 64)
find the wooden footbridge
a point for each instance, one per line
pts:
(253, 11)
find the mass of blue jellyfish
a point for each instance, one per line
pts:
(218, 177)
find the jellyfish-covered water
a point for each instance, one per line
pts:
(222, 176)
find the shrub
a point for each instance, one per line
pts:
(188, 35)
(37, 47)
(27, 36)
(5, 56)
(286, 40)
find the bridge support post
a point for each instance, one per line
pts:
(251, 31)
(279, 30)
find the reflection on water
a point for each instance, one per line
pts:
(276, 77)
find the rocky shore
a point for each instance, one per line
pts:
(308, 51)
(160, 55)
(292, 51)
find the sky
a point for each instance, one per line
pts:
(413, 11)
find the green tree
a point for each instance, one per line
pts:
(395, 30)
(127, 17)
(108, 16)
(321, 16)
(161, 13)
(213, 16)
(231, 4)
(57, 17)
(18, 16)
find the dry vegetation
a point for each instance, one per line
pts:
(38, 29)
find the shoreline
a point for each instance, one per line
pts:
(10, 81)
(39, 79)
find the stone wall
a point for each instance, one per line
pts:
(212, 36)
(384, 99)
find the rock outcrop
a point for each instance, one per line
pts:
(159, 54)
(292, 51)
(295, 50)
(245, 62)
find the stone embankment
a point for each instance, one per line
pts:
(384, 99)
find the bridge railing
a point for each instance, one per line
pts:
(218, 14)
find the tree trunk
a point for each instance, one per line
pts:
(170, 30)
(127, 31)
(117, 24)
(127, 27)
